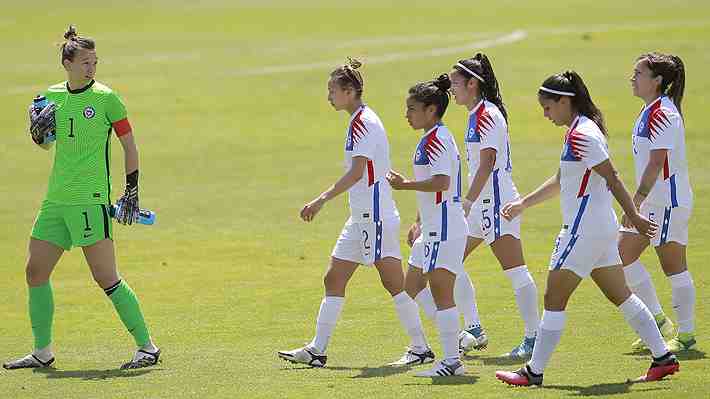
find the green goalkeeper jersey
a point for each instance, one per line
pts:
(81, 173)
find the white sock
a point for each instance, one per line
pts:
(526, 297)
(640, 319)
(465, 298)
(408, 313)
(548, 336)
(683, 291)
(426, 301)
(330, 309)
(150, 347)
(640, 283)
(45, 354)
(448, 323)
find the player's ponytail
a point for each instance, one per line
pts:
(433, 92)
(347, 76)
(570, 84)
(480, 67)
(672, 72)
(73, 42)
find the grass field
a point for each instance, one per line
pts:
(228, 103)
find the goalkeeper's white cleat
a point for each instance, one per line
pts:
(443, 369)
(306, 355)
(142, 359)
(28, 362)
(413, 357)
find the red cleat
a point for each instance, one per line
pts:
(523, 377)
(666, 365)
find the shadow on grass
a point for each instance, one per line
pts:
(615, 388)
(692, 354)
(91, 375)
(452, 380)
(365, 372)
(503, 360)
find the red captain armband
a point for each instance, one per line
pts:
(122, 127)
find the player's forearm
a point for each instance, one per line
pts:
(431, 185)
(479, 181)
(648, 179)
(549, 189)
(619, 191)
(130, 153)
(342, 185)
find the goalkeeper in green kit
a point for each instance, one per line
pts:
(80, 117)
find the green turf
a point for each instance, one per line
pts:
(228, 103)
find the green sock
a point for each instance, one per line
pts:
(41, 304)
(129, 310)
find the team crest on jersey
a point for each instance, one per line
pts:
(89, 112)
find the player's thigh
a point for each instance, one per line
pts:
(337, 276)
(391, 275)
(611, 282)
(414, 281)
(51, 227)
(442, 283)
(471, 244)
(672, 256)
(508, 249)
(42, 257)
(101, 258)
(561, 283)
(88, 224)
(631, 245)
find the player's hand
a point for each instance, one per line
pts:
(467, 204)
(512, 210)
(644, 226)
(626, 222)
(414, 232)
(395, 179)
(42, 123)
(128, 206)
(311, 209)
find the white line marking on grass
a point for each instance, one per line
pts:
(512, 37)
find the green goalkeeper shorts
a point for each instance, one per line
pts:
(69, 226)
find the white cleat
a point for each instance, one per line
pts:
(442, 369)
(473, 338)
(413, 358)
(28, 362)
(305, 355)
(141, 359)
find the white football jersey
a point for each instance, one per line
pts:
(371, 197)
(487, 128)
(441, 212)
(660, 126)
(584, 196)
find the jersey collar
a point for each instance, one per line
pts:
(474, 109)
(83, 89)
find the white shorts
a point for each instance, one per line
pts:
(367, 242)
(486, 224)
(430, 255)
(672, 224)
(582, 254)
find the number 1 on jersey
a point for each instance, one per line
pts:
(71, 127)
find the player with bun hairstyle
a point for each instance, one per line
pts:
(371, 234)
(75, 211)
(474, 85)
(438, 251)
(586, 181)
(663, 194)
